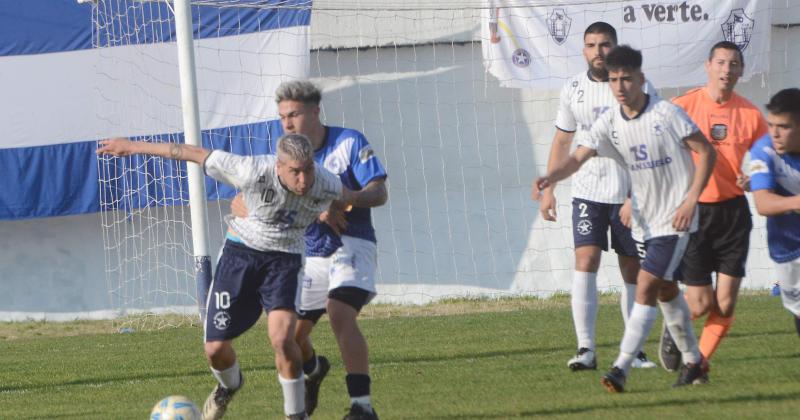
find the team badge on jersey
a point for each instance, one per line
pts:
(719, 132)
(365, 154)
(222, 320)
(738, 28)
(584, 227)
(658, 128)
(558, 25)
(521, 58)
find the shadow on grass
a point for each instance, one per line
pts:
(791, 396)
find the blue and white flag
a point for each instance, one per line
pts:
(71, 74)
(540, 46)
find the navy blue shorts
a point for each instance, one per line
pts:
(247, 281)
(663, 256)
(591, 222)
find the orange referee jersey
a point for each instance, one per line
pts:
(731, 128)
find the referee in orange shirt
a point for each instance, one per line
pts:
(721, 243)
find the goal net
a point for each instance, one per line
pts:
(457, 98)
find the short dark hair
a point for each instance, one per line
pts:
(786, 101)
(726, 45)
(601, 28)
(623, 57)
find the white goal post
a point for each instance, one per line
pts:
(460, 149)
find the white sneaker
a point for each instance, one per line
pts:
(642, 362)
(583, 360)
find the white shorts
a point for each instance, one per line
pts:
(352, 265)
(788, 274)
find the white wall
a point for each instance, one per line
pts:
(460, 151)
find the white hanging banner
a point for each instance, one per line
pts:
(540, 46)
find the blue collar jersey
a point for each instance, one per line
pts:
(348, 154)
(780, 174)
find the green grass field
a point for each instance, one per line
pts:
(460, 360)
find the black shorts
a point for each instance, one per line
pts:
(246, 282)
(721, 242)
(591, 222)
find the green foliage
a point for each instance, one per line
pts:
(497, 365)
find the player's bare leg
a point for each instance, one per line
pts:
(281, 324)
(583, 298)
(355, 355)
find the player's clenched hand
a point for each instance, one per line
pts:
(625, 213)
(683, 216)
(117, 146)
(335, 217)
(743, 182)
(547, 206)
(238, 207)
(539, 185)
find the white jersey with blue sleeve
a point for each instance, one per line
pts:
(780, 174)
(277, 218)
(582, 100)
(656, 157)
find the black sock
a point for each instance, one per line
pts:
(357, 384)
(311, 364)
(797, 324)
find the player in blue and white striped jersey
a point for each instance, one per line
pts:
(653, 138)
(262, 258)
(599, 190)
(775, 182)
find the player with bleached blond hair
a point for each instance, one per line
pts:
(262, 257)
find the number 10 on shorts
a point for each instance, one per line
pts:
(222, 300)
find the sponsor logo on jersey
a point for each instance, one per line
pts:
(222, 320)
(584, 227)
(738, 28)
(758, 167)
(365, 154)
(558, 25)
(719, 132)
(651, 164)
(521, 58)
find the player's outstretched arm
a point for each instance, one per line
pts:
(705, 165)
(559, 152)
(119, 146)
(770, 204)
(562, 170)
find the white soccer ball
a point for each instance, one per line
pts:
(175, 407)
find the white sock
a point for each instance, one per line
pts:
(584, 307)
(230, 378)
(294, 395)
(636, 331)
(363, 401)
(627, 300)
(679, 322)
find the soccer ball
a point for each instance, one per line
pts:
(175, 407)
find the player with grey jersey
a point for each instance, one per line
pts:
(262, 257)
(599, 190)
(654, 138)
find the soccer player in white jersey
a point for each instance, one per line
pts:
(599, 190)
(262, 258)
(653, 138)
(775, 182)
(341, 250)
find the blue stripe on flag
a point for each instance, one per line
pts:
(49, 26)
(63, 179)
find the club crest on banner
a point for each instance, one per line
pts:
(558, 25)
(738, 28)
(521, 57)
